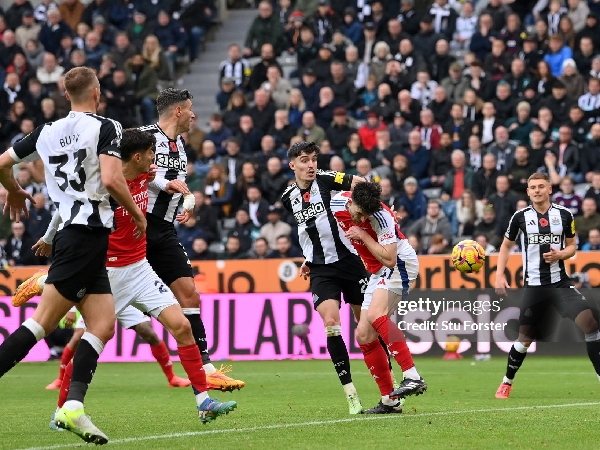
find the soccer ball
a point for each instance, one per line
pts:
(468, 256)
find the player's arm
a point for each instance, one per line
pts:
(570, 241)
(338, 181)
(43, 247)
(386, 254)
(169, 186)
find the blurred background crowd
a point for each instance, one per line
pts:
(450, 105)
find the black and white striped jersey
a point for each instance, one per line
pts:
(590, 104)
(172, 165)
(540, 233)
(240, 70)
(321, 238)
(70, 149)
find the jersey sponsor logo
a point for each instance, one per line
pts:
(312, 211)
(171, 162)
(339, 178)
(543, 238)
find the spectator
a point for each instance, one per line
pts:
(557, 55)
(400, 172)
(98, 8)
(469, 212)
(34, 53)
(482, 240)
(50, 72)
(409, 17)
(61, 103)
(20, 66)
(145, 80)
(200, 251)
(466, 26)
(14, 14)
(277, 87)
(423, 89)
(218, 189)
(232, 249)
(206, 218)
(249, 135)
(218, 133)
(430, 131)
(188, 232)
(265, 29)
(273, 181)
(351, 27)
(555, 171)
(460, 177)
(399, 129)
(122, 51)
(260, 249)
(234, 159)
(18, 247)
(236, 67)
(263, 111)
(275, 227)
(444, 17)
(593, 241)
(520, 171)
(282, 131)
(9, 48)
(481, 42)
(244, 228)
(567, 197)
(424, 41)
(310, 131)
(11, 93)
(172, 37)
(590, 154)
(324, 112)
(94, 49)
(52, 31)
(578, 12)
(28, 30)
(590, 219)
(413, 200)
(208, 156)
(258, 207)
(121, 99)
(195, 16)
(353, 152)
(154, 54)
(285, 249)
(503, 149)
(418, 155)
(504, 201)
(489, 226)
(139, 29)
(434, 222)
(71, 11)
(236, 108)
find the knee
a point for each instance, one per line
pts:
(188, 296)
(330, 322)
(373, 315)
(182, 329)
(105, 333)
(362, 335)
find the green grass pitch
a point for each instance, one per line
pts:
(300, 405)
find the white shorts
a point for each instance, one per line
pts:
(398, 279)
(138, 285)
(128, 318)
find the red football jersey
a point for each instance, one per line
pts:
(381, 226)
(123, 247)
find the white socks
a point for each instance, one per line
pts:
(349, 389)
(209, 368)
(201, 397)
(507, 380)
(36, 329)
(412, 373)
(73, 405)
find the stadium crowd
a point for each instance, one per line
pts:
(450, 105)
(134, 46)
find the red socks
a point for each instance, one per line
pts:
(192, 364)
(67, 356)
(377, 363)
(395, 341)
(161, 354)
(66, 384)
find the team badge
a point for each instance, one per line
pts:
(314, 190)
(555, 221)
(543, 222)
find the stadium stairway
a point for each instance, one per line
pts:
(203, 79)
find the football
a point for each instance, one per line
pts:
(468, 256)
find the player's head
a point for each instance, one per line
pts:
(176, 104)
(303, 160)
(365, 201)
(539, 188)
(82, 86)
(137, 148)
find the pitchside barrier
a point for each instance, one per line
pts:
(250, 310)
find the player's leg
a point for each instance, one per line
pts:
(67, 356)
(533, 306)
(45, 319)
(132, 318)
(377, 362)
(586, 321)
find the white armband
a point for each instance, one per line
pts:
(189, 202)
(52, 228)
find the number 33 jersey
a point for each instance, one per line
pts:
(70, 149)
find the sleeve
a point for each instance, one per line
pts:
(385, 227)
(109, 139)
(569, 223)
(335, 181)
(513, 227)
(26, 148)
(52, 228)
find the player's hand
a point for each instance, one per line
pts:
(184, 216)
(70, 319)
(552, 256)
(304, 271)
(140, 226)
(41, 248)
(179, 186)
(16, 203)
(152, 172)
(501, 285)
(355, 233)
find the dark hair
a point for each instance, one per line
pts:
(367, 196)
(308, 148)
(135, 141)
(283, 236)
(170, 97)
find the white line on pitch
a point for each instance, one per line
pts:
(316, 423)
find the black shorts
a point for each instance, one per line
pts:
(562, 295)
(164, 252)
(330, 281)
(79, 262)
